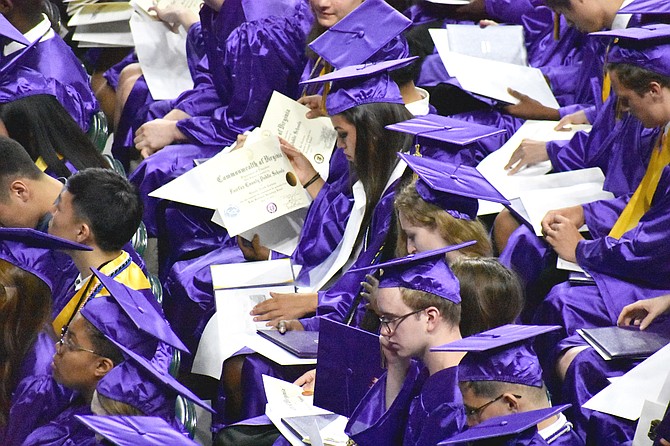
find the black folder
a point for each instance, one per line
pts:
(626, 342)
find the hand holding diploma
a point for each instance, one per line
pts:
(175, 15)
(252, 250)
(313, 102)
(303, 167)
(576, 118)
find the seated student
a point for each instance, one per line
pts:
(101, 209)
(28, 396)
(517, 429)
(100, 337)
(416, 402)
(49, 134)
(248, 62)
(501, 375)
(83, 356)
(624, 257)
(27, 196)
(491, 294)
(59, 69)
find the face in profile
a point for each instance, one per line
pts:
(75, 362)
(329, 12)
(420, 238)
(401, 324)
(584, 15)
(647, 107)
(346, 136)
(64, 222)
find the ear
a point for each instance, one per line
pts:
(84, 233)
(511, 402)
(434, 318)
(655, 89)
(19, 189)
(103, 366)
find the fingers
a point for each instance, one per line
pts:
(517, 95)
(564, 124)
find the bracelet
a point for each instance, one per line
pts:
(311, 181)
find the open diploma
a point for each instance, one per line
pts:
(315, 138)
(258, 185)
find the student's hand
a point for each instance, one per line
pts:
(312, 102)
(390, 356)
(291, 325)
(253, 250)
(154, 135)
(175, 15)
(575, 118)
(302, 166)
(485, 23)
(529, 152)
(241, 139)
(529, 108)
(643, 312)
(369, 293)
(575, 214)
(307, 381)
(563, 236)
(283, 306)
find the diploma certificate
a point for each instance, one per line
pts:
(315, 138)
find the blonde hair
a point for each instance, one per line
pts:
(114, 407)
(452, 230)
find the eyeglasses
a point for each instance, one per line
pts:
(477, 413)
(68, 343)
(396, 321)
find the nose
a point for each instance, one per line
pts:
(411, 249)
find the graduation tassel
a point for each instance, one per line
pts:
(557, 26)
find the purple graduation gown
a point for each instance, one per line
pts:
(620, 148)
(67, 80)
(272, 50)
(427, 409)
(37, 398)
(64, 430)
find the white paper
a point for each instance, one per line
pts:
(450, 2)
(493, 166)
(275, 353)
(625, 397)
(281, 234)
(144, 5)
(209, 357)
(491, 78)
(651, 410)
(538, 202)
(315, 138)
(568, 266)
(101, 13)
(162, 56)
(250, 274)
(112, 33)
(286, 400)
(501, 43)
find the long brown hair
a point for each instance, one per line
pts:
(25, 306)
(376, 148)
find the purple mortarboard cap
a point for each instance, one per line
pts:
(426, 271)
(505, 426)
(141, 312)
(161, 376)
(646, 7)
(131, 382)
(443, 131)
(38, 239)
(362, 84)
(351, 359)
(501, 354)
(359, 35)
(645, 47)
(455, 189)
(135, 431)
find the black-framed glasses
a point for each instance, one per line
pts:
(386, 324)
(477, 412)
(67, 342)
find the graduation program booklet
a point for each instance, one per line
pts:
(238, 288)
